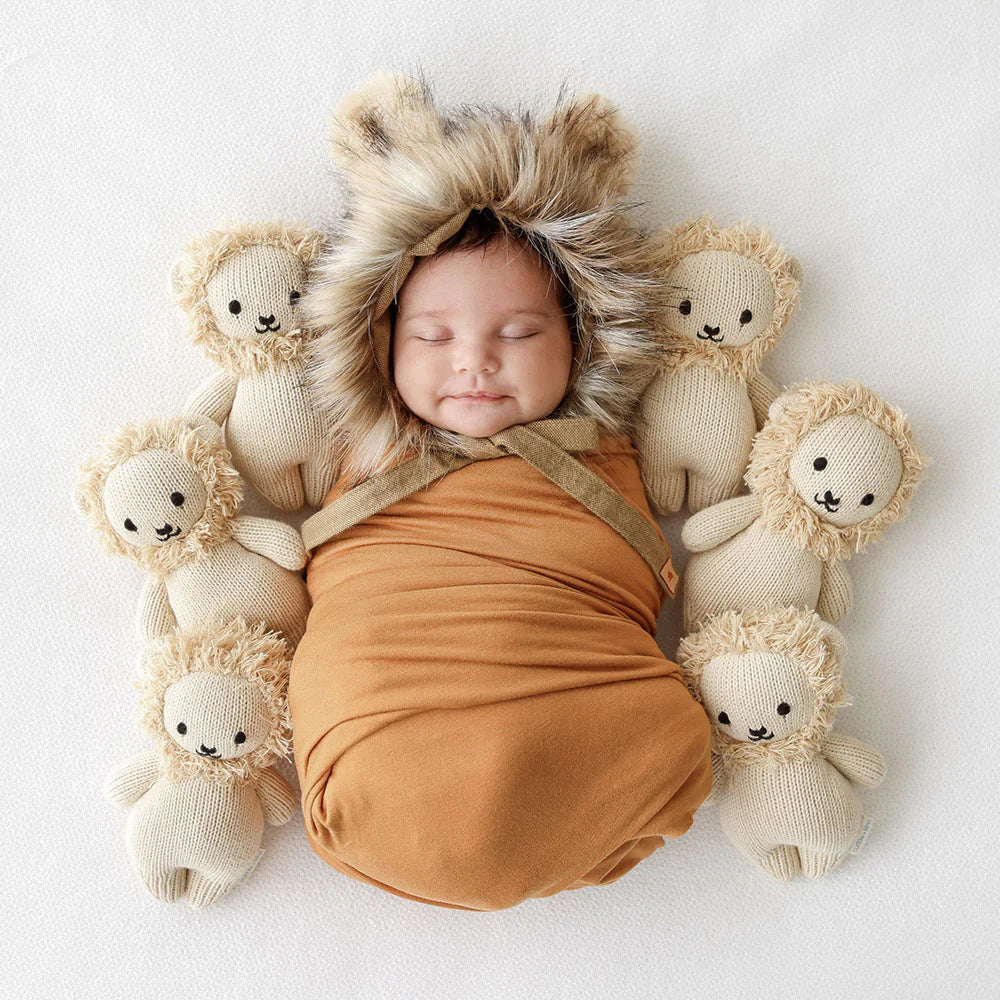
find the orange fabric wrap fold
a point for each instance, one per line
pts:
(481, 712)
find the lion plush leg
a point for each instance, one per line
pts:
(280, 486)
(816, 864)
(666, 490)
(317, 480)
(166, 884)
(704, 492)
(203, 891)
(783, 862)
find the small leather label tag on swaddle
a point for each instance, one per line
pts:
(866, 825)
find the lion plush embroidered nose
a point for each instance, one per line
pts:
(481, 712)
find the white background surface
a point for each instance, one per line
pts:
(864, 135)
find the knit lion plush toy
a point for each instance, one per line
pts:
(732, 292)
(214, 702)
(771, 683)
(240, 287)
(833, 466)
(164, 495)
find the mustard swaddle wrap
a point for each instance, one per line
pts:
(481, 711)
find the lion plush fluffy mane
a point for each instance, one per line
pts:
(796, 412)
(701, 234)
(235, 649)
(197, 266)
(800, 636)
(412, 174)
(201, 448)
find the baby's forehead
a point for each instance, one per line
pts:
(501, 277)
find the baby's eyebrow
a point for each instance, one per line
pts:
(513, 312)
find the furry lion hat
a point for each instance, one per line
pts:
(413, 175)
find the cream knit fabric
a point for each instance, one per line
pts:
(240, 287)
(771, 683)
(831, 468)
(164, 495)
(215, 701)
(731, 293)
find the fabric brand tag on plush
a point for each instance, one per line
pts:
(253, 865)
(866, 826)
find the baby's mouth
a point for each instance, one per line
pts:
(756, 735)
(269, 329)
(167, 532)
(710, 333)
(208, 752)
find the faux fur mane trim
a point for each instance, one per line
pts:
(794, 414)
(198, 264)
(198, 447)
(743, 362)
(800, 636)
(414, 173)
(231, 650)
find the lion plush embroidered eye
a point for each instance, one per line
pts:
(251, 287)
(731, 301)
(208, 704)
(857, 471)
(142, 501)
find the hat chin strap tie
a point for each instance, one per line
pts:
(547, 445)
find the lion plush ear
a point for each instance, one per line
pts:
(389, 112)
(592, 133)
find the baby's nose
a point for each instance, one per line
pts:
(474, 359)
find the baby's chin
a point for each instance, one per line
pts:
(479, 418)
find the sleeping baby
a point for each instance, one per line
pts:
(481, 712)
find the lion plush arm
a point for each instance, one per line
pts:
(277, 798)
(835, 592)
(132, 780)
(762, 392)
(154, 617)
(718, 523)
(855, 760)
(213, 398)
(274, 540)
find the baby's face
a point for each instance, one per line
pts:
(486, 321)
